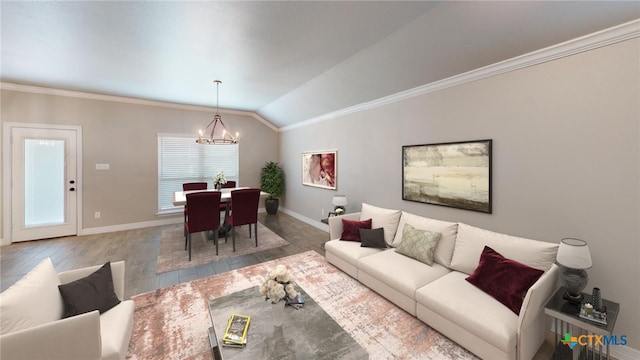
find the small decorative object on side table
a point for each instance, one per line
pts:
(564, 324)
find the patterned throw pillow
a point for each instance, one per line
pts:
(418, 244)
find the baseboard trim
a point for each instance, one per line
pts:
(130, 226)
(625, 353)
(139, 225)
(315, 223)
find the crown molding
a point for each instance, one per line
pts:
(129, 100)
(585, 43)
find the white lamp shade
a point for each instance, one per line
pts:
(574, 254)
(339, 200)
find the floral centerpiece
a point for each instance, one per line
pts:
(219, 180)
(278, 284)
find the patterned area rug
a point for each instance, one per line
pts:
(172, 255)
(172, 323)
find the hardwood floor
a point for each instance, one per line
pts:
(139, 248)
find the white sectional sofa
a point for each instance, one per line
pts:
(440, 294)
(32, 323)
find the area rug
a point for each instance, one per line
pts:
(172, 255)
(172, 323)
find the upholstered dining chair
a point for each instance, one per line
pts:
(244, 211)
(225, 206)
(189, 187)
(202, 216)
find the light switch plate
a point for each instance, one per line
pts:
(102, 166)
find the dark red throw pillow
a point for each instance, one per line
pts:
(506, 280)
(351, 229)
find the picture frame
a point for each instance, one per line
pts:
(320, 169)
(454, 174)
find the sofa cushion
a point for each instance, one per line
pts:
(444, 250)
(350, 229)
(373, 238)
(506, 280)
(399, 272)
(348, 251)
(472, 240)
(418, 244)
(385, 218)
(470, 308)
(31, 301)
(94, 292)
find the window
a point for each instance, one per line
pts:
(181, 160)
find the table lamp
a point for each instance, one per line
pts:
(339, 201)
(573, 257)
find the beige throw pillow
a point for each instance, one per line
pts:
(418, 244)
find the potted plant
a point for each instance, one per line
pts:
(272, 182)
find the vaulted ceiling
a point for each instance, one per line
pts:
(289, 61)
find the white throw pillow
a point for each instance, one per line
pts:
(33, 300)
(444, 251)
(385, 218)
(472, 240)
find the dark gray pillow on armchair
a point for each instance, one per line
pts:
(94, 292)
(373, 238)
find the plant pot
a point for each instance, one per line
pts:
(271, 206)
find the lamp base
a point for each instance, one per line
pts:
(573, 298)
(572, 306)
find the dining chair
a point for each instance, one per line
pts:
(202, 216)
(226, 206)
(244, 210)
(189, 187)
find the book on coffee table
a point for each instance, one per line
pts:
(236, 332)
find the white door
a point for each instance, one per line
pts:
(44, 185)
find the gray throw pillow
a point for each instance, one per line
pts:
(373, 238)
(418, 244)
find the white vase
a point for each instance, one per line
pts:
(277, 311)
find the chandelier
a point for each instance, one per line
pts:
(219, 135)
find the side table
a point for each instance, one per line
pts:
(584, 331)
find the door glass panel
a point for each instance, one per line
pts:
(44, 182)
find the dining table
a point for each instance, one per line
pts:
(180, 199)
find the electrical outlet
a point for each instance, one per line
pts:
(322, 212)
(97, 215)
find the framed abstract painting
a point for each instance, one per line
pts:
(456, 174)
(319, 169)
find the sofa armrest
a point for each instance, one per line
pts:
(117, 272)
(77, 337)
(533, 324)
(335, 224)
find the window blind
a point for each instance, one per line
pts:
(182, 160)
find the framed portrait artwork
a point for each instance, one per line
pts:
(319, 169)
(456, 174)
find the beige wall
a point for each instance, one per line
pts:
(124, 135)
(566, 159)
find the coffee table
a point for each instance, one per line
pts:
(307, 333)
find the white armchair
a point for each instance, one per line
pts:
(32, 326)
